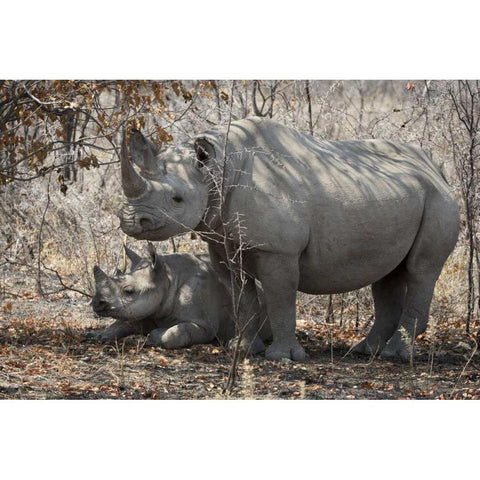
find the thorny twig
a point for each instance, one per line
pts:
(66, 287)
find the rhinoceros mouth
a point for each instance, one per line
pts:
(153, 235)
(143, 229)
(135, 223)
(145, 235)
(138, 230)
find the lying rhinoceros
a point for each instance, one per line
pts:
(178, 300)
(317, 216)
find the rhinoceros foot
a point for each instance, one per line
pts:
(98, 335)
(155, 337)
(93, 334)
(397, 349)
(366, 348)
(293, 351)
(247, 347)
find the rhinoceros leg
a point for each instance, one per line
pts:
(251, 315)
(180, 336)
(389, 296)
(435, 240)
(116, 330)
(279, 275)
(414, 318)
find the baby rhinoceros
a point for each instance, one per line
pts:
(178, 300)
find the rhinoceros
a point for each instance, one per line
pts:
(317, 216)
(178, 300)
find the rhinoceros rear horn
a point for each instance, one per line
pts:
(134, 258)
(144, 153)
(133, 184)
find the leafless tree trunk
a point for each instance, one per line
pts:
(40, 240)
(70, 170)
(309, 102)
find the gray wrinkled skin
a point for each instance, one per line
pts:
(318, 216)
(177, 300)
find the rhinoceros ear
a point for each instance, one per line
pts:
(204, 151)
(134, 258)
(143, 152)
(157, 264)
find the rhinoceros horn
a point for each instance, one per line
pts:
(99, 274)
(134, 258)
(144, 154)
(133, 184)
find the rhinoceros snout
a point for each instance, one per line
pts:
(130, 227)
(99, 306)
(146, 223)
(134, 222)
(139, 223)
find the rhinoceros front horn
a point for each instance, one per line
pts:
(99, 274)
(133, 184)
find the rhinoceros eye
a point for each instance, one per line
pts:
(177, 199)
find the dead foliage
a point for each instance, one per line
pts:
(44, 355)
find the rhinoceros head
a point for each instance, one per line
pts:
(169, 195)
(133, 295)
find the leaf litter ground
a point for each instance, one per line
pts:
(44, 354)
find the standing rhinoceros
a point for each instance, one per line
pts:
(317, 216)
(178, 300)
